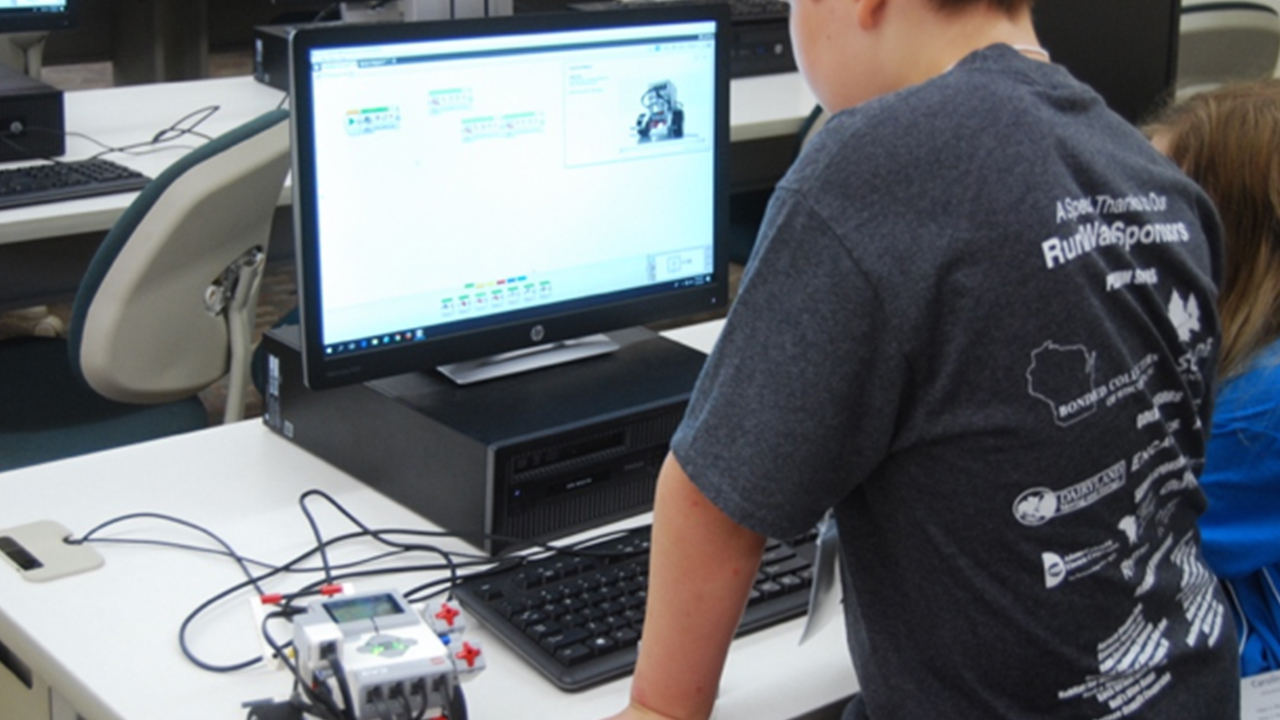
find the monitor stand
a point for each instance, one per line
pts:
(534, 358)
(24, 51)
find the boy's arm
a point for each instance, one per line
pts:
(702, 565)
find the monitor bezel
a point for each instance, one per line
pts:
(561, 322)
(16, 20)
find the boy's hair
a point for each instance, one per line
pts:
(1009, 7)
(1228, 141)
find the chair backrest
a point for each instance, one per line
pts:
(141, 328)
(817, 118)
(1222, 42)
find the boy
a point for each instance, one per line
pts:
(980, 326)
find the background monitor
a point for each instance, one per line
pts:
(472, 187)
(36, 15)
(1127, 50)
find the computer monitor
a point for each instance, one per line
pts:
(468, 188)
(1127, 50)
(36, 15)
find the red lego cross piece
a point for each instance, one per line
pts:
(468, 653)
(448, 614)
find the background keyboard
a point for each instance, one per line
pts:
(577, 617)
(67, 180)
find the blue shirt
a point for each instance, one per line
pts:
(1241, 529)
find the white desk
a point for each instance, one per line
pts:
(125, 116)
(760, 107)
(106, 641)
(767, 106)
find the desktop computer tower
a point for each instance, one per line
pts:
(31, 117)
(271, 54)
(530, 457)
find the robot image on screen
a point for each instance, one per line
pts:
(663, 117)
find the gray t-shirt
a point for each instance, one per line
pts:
(979, 324)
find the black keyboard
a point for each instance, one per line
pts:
(52, 182)
(577, 617)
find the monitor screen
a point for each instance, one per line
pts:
(36, 15)
(1127, 50)
(467, 188)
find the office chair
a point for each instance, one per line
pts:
(1222, 42)
(166, 308)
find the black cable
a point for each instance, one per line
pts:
(421, 684)
(248, 560)
(376, 535)
(452, 562)
(458, 704)
(344, 687)
(191, 617)
(21, 149)
(311, 588)
(324, 14)
(448, 583)
(401, 570)
(166, 135)
(315, 532)
(176, 130)
(175, 546)
(382, 704)
(179, 521)
(129, 150)
(399, 693)
(173, 132)
(578, 548)
(503, 565)
(302, 683)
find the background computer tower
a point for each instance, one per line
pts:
(31, 117)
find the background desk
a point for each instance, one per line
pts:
(765, 114)
(106, 641)
(44, 248)
(128, 115)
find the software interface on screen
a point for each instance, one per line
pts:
(463, 179)
(49, 5)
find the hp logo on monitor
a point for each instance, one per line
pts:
(537, 333)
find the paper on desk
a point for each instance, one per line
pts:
(1260, 697)
(824, 593)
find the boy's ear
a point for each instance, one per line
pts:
(870, 13)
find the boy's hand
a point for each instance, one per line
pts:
(639, 712)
